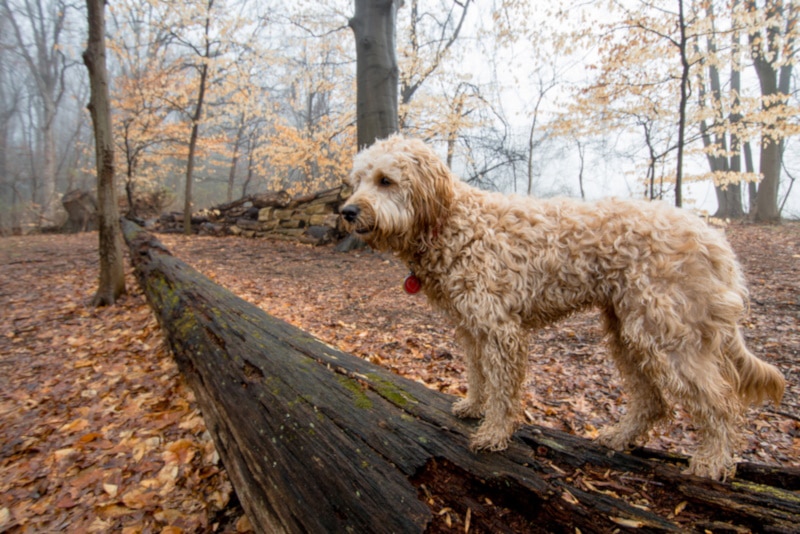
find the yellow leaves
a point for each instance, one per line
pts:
(142, 447)
(179, 452)
(5, 518)
(725, 178)
(74, 426)
(140, 498)
(111, 489)
(303, 161)
(65, 454)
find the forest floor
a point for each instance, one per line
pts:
(98, 431)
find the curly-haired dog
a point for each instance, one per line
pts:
(670, 291)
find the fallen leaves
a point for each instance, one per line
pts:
(100, 434)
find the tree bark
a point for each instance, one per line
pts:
(377, 73)
(112, 273)
(316, 440)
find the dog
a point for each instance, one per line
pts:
(669, 289)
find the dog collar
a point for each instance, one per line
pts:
(412, 284)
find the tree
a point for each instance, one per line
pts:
(639, 78)
(428, 46)
(682, 45)
(10, 100)
(773, 46)
(145, 133)
(112, 273)
(311, 141)
(374, 27)
(544, 86)
(645, 68)
(38, 29)
(205, 54)
(721, 138)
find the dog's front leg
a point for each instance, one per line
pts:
(472, 406)
(502, 358)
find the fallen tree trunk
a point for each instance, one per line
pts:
(316, 440)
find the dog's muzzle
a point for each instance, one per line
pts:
(350, 213)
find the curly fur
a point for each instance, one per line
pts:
(670, 290)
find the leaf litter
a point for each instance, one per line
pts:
(98, 431)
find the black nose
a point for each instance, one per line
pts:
(350, 212)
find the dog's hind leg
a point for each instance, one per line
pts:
(472, 405)
(646, 405)
(715, 410)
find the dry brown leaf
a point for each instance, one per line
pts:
(111, 489)
(243, 525)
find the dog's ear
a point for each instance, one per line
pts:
(431, 186)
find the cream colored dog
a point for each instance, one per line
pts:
(669, 287)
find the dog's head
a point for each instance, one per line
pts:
(401, 192)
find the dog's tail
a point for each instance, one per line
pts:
(758, 380)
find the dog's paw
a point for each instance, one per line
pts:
(466, 409)
(490, 438)
(613, 438)
(713, 468)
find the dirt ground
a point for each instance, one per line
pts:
(99, 433)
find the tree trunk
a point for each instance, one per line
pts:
(771, 51)
(250, 167)
(49, 211)
(198, 113)
(682, 106)
(771, 152)
(316, 440)
(728, 192)
(81, 208)
(582, 159)
(196, 116)
(752, 187)
(112, 273)
(234, 161)
(733, 194)
(376, 69)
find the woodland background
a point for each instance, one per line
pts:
(578, 98)
(662, 100)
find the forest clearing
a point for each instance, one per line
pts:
(101, 433)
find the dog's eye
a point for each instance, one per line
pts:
(384, 181)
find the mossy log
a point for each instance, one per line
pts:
(317, 440)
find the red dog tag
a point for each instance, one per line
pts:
(412, 284)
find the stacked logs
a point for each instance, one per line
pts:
(311, 218)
